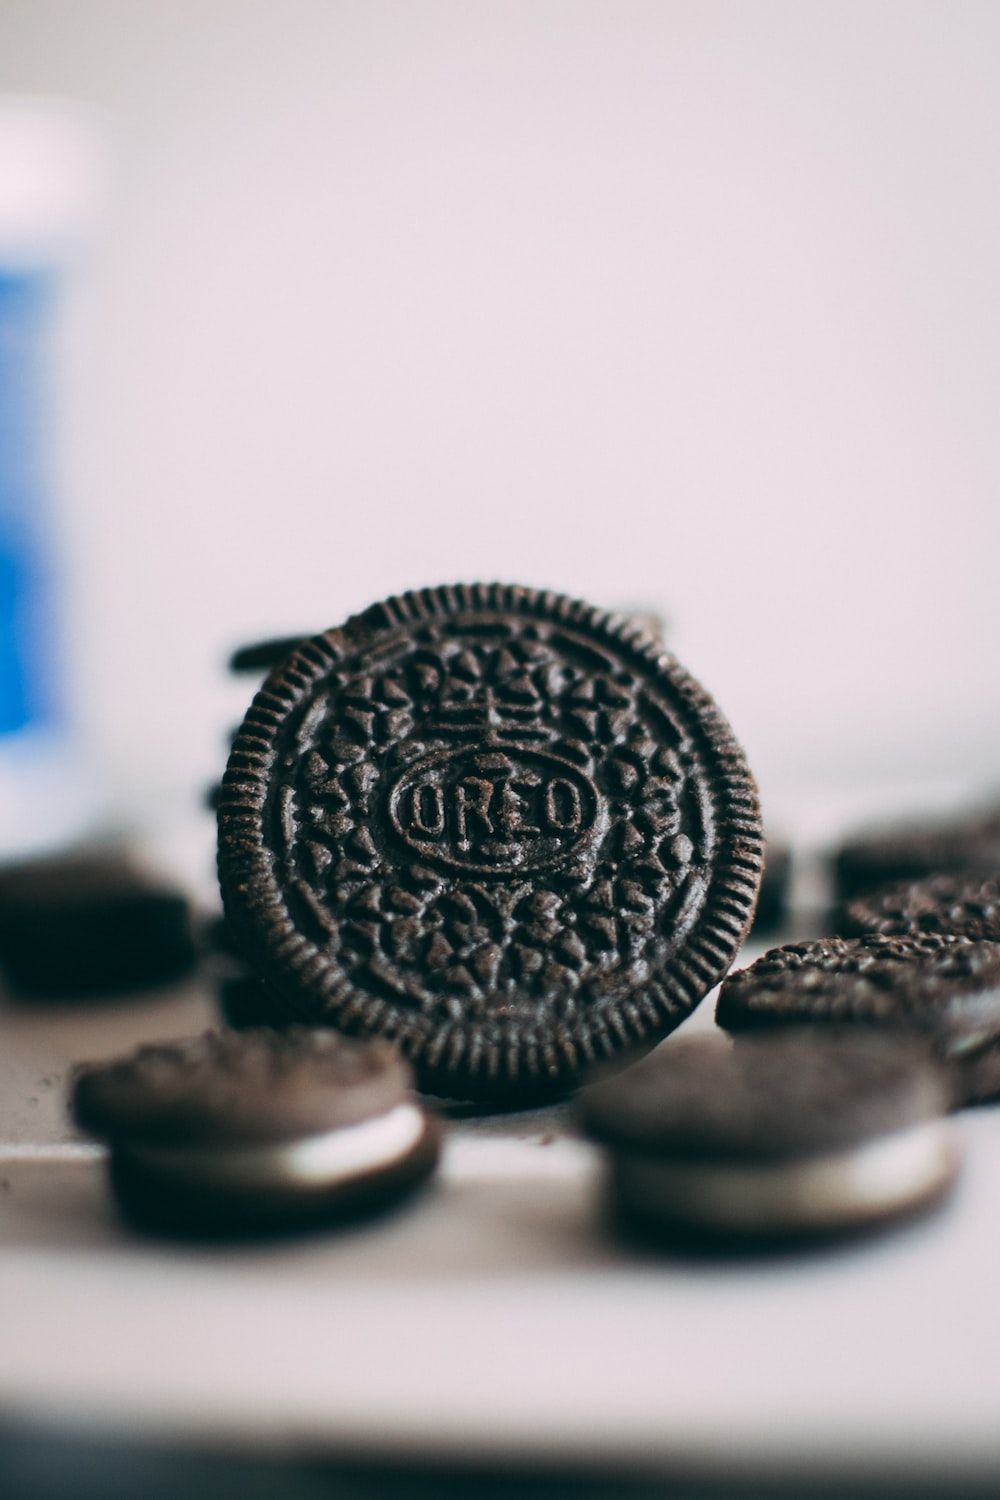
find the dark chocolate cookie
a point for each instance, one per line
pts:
(945, 904)
(779, 1135)
(969, 846)
(499, 826)
(259, 657)
(90, 922)
(766, 1098)
(257, 1130)
(947, 987)
(245, 1002)
(223, 1089)
(772, 902)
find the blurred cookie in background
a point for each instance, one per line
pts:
(964, 906)
(773, 898)
(245, 1003)
(773, 1138)
(91, 920)
(965, 845)
(257, 658)
(945, 989)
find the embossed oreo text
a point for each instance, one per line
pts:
(495, 811)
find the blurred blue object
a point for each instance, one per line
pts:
(51, 156)
(28, 696)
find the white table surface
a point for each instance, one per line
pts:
(493, 1317)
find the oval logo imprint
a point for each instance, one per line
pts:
(493, 810)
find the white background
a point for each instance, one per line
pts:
(688, 304)
(684, 304)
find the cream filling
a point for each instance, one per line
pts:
(876, 1178)
(337, 1156)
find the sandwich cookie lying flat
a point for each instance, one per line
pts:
(945, 988)
(258, 1130)
(967, 846)
(501, 827)
(91, 921)
(776, 1136)
(960, 906)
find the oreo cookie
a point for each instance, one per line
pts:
(968, 846)
(242, 997)
(945, 988)
(501, 827)
(772, 902)
(90, 922)
(961, 906)
(774, 1137)
(245, 1003)
(241, 1133)
(258, 657)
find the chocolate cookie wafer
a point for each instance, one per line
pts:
(499, 826)
(946, 988)
(237, 1133)
(776, 1136)
(969, 846)
(961, 906)
(244, 1002)
(257, 658)
(90, 922)
(772, 901)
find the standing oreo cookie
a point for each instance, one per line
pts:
(946, 988)
(501, 827)
(227, 1134)
(946, 904)
(773, 1137)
